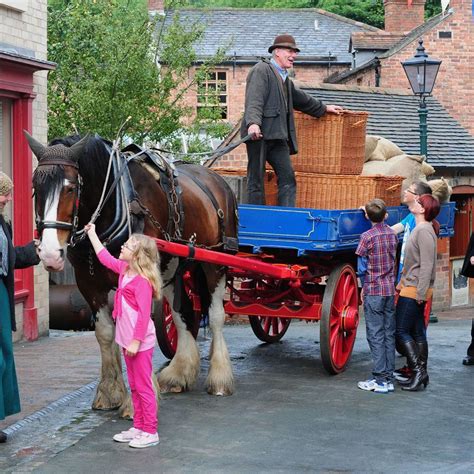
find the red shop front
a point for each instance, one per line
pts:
(16, 109)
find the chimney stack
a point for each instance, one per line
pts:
(156, 6)
(401, 17)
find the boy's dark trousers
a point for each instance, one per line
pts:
(379, 312)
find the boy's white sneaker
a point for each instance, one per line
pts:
(390, 387)
(127, 436)
(145, 440)
(372, 386)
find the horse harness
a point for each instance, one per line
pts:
(130, 212)
(169, 174)
(70, 226)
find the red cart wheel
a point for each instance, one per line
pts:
(166, 332)
(269, 328)
(339, 318)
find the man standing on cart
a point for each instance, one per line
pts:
(270, 98)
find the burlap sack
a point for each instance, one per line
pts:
(370, 145)
(385, 150)
(441, 189)
(404, 165)
(374, 168)
(407, 166)
(427, 169)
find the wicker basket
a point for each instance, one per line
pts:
(332, 144)
(271, 187)
(322, 191)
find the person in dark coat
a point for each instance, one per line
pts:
(468, 271)
(10, 258)
(270, 98)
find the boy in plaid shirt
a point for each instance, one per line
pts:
(376, 268)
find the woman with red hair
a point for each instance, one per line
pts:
(416, 287)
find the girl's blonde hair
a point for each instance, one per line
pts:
(146, 261)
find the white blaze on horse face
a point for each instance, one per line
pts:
(51, 252)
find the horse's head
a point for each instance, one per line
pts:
(57, 187)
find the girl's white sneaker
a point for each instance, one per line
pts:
(127, 436)
(145, 440)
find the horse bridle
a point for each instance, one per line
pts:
(61, 225)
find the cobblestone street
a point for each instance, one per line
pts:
(287, 414)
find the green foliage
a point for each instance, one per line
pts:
(365, 11)
(108, 71)
(197, 141)
(432, 8)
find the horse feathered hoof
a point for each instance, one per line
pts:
(220, 392)
(170, 383)
(109, 399)
(222, 388)
(182, 372)
(174, 389)
(126, 409)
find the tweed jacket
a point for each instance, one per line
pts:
(267, 104)
(18, 257)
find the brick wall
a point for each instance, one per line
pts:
(399, 17)
(236, 82)
(156, 5)
(28, 30)
(441, 291)
(454, 86)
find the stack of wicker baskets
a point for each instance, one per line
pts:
(329, 163)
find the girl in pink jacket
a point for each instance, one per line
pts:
(139, 280)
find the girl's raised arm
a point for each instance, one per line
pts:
(89, 229)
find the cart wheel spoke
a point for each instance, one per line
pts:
(266, 324)
(350, 294)
(335, 321)
(269, 328)
(336, 347)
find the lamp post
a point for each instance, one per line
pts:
(421, 72)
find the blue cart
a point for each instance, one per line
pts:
(318, 247)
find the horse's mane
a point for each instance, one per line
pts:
(94, 159)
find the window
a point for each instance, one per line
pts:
(445, 35)
(212, 96)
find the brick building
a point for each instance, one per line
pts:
(448, 37)
(340, 51)
(23, 76)
(246, 34)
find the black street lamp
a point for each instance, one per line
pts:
(421, 72)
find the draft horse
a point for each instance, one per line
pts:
(139, 191)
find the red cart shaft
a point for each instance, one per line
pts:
(283, 272)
